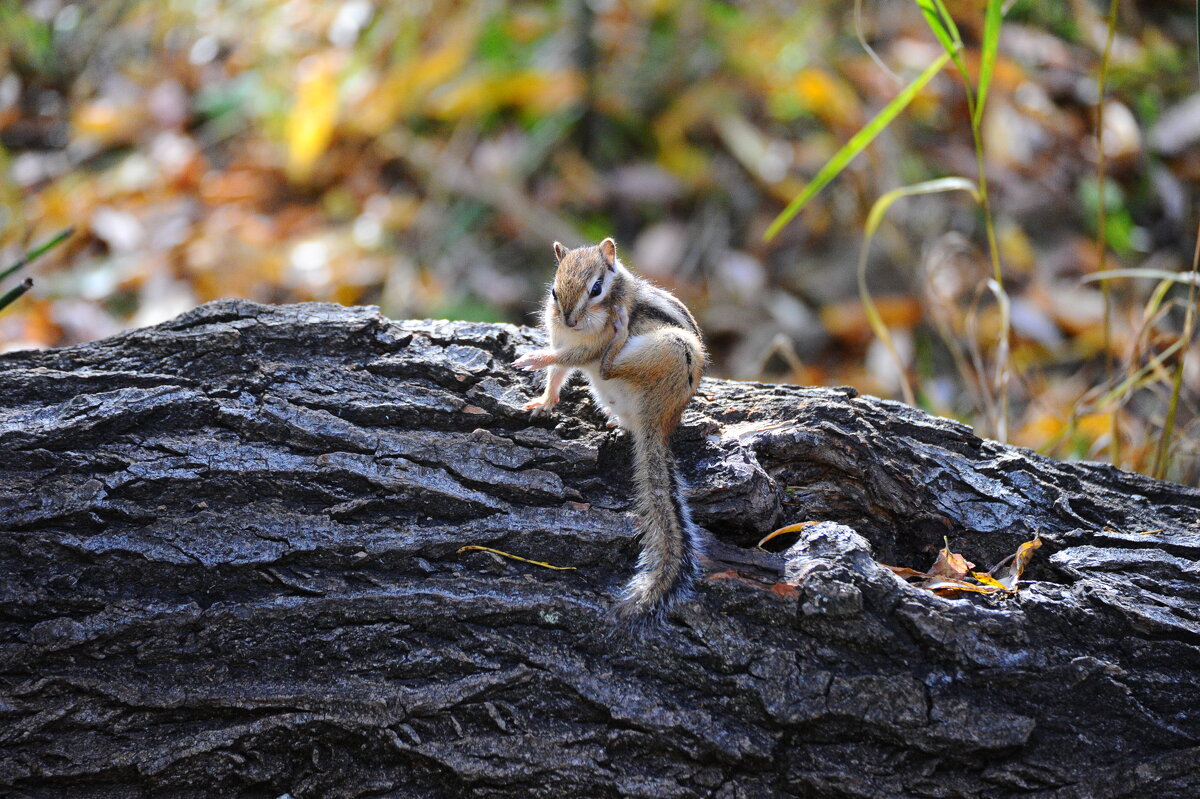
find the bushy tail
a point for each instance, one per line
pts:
(671, 548)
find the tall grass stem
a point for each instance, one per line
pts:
(1114, 444)
(1162, 454)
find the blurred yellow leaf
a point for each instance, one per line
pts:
(471, 96)
(827, 97)
(1016, 248)
(107, 123)
(311, 122)
(1094, 425)
(1053, 425)
(692, 108)
(540, 91)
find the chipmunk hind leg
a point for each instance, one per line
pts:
(663, 365)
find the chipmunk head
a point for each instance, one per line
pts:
(583, 284)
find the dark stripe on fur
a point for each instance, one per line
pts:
(690, 558)
(645, 310)
(685, 316)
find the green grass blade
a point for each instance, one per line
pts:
(1137, 379)
(946, 32)
(948, 21)
(874, 218)
(1156, 299)
(37, 252)
(987, 56)
(882, 205)
(12, 294)
(858, 142)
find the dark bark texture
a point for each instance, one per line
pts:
(229, 566)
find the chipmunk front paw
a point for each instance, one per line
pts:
(538, 359)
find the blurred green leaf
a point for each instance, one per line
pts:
(1119, 224)
(27, 36)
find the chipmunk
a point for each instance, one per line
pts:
(641, 350)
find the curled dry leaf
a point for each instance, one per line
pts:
(951, 572)
(950, 565)
(1010, 574)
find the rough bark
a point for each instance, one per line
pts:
(229, 563)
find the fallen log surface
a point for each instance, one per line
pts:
(230, 563)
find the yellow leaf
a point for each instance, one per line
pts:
(108, 123)
(987, 579)
(314, 114)
(957, 585)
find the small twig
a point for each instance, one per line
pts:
(11, 296)
(473, 548)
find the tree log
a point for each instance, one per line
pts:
(230, 553)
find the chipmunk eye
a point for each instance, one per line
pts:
(596, 287)
(554, 294)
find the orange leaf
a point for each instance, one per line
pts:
(904, 571)
(791, 528)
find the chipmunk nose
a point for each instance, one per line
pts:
(568, 321)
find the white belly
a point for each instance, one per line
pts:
(617, 397)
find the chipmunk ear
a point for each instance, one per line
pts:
(608, 251)
(559, 252)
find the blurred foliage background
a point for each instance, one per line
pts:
(423, 155)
